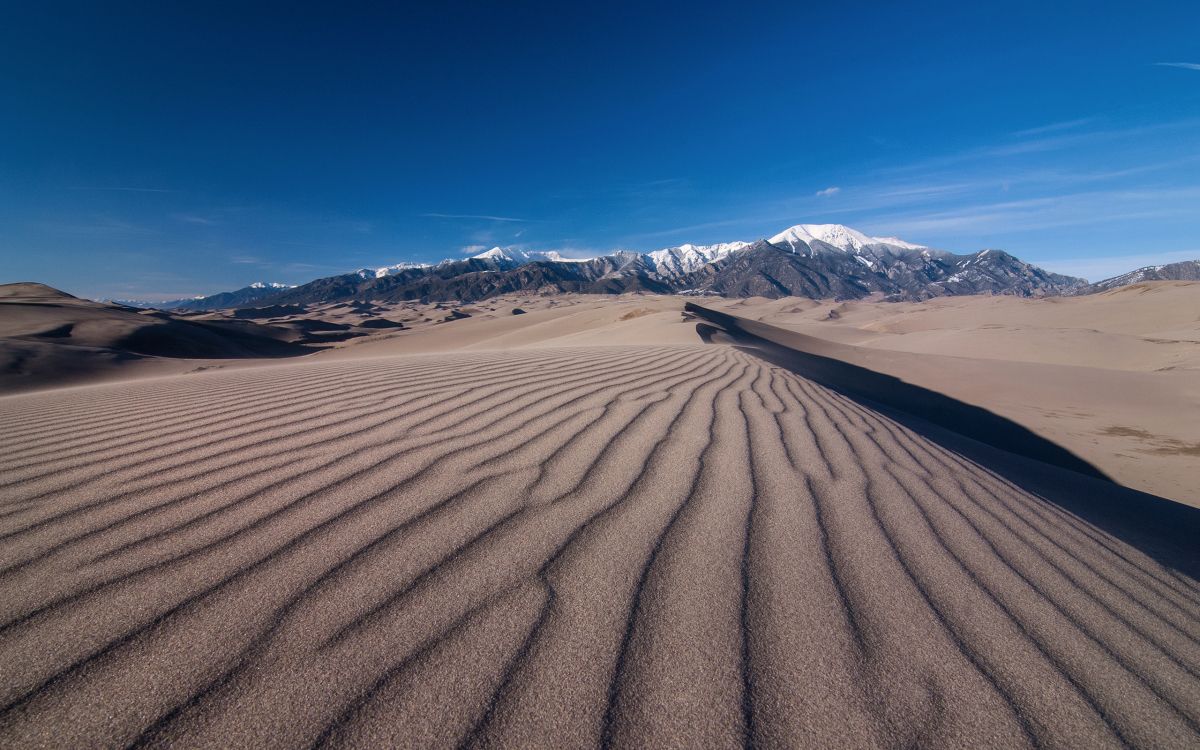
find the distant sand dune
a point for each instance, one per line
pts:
(642, 546)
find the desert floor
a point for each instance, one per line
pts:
(584, 526)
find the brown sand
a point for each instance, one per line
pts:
(560, 546)
(1112, 377)
(49, 339)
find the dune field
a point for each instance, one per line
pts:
(568, 529)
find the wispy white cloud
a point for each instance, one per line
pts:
(481, 217)
(1041, 147)
(192, 219)
(124, 189)
(676, 231)
(482, 237)
(581, 253)
(1064, 210)
(472, 249)
(922, 191)
(828, 191)
(99, 226)
(939, 187)
(1185, 66)
(1055, 127)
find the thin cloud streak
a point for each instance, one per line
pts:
(99, 226)
(1055, 127)
(694, 227)
(483, 217)
(192, 219)
(125, 189)
(1049, 143)
(1077, 209)
(1185, 66)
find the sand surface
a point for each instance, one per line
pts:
(1112, 377)
(49, 339)
(529, 537)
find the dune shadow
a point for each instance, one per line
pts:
(1163, 529)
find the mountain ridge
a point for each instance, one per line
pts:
(805, 260)
(1186, 270)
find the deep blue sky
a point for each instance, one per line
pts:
(152, 151)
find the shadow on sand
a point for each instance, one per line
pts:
(1167, 531)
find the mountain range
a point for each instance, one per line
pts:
(1188, 270)
(247, 295)
(819, 261)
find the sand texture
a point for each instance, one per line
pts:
(662, 545)
(1112, 377)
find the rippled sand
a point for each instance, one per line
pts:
(636, 545)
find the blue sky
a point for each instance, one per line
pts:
(156, 152)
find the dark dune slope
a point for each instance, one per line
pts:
(48, 337)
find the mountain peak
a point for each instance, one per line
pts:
(526, 256)
(688, 257)
(496, 253)
(391, 270)
(837, 235)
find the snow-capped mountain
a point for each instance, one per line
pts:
(515, 255)
(801, 237)
(676, 261)
(379, 273)
(809, 260)
(683, 259)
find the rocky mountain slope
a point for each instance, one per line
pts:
(1188, 270)
(807, 260)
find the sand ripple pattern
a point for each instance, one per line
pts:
(627, 546)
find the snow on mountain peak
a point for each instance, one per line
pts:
(268, 285)
(496, 253)
(554, 255)
(897, 242)
(526, 256)
(837, 235)
(392, 270)
(685, 258)
(688, 257)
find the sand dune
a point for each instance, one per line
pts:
(49, 338)
(658, 545)
(1146, 327)
(1113, 377)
